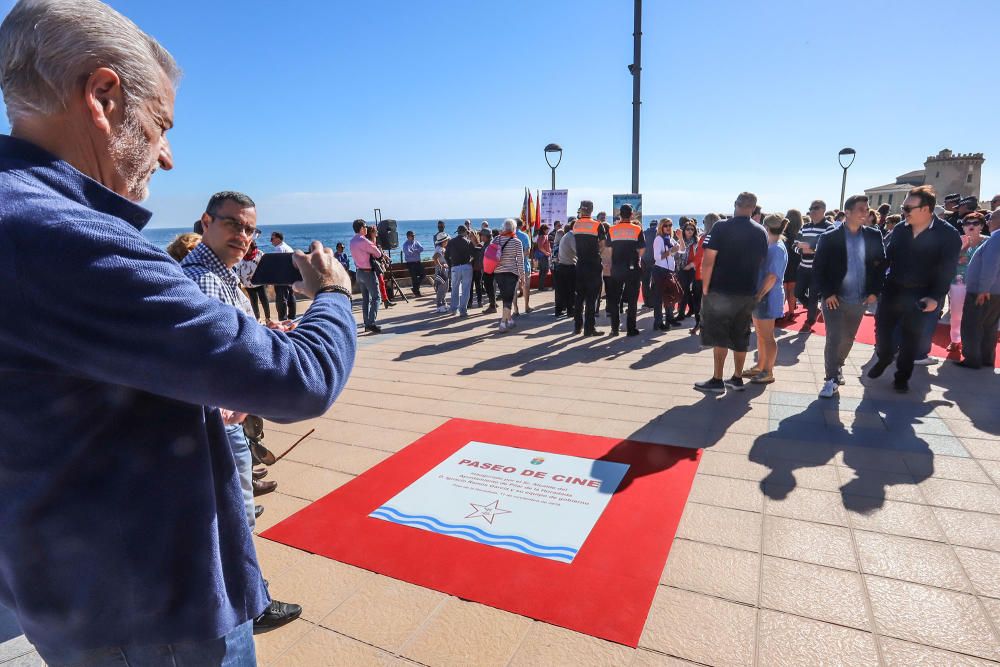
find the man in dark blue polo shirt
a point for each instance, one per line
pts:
(124, 535)
(733, 256)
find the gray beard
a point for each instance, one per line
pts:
(130, 151)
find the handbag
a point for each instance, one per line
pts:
(670, 289)
(492, 254)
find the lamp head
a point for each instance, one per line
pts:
(843, 154)
(553, 149)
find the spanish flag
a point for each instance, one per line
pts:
(538, 210)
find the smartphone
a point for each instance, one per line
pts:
(276, 268)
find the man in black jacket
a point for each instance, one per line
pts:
(922, 256)
(849, 270)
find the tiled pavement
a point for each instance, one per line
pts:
(863, 530)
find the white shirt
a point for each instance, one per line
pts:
(658, 248)
(283, 247)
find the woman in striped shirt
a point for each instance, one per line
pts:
(509, 272)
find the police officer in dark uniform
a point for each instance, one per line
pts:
(589, 234)
(627, 247)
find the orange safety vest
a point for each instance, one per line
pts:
(625, 231)
(587, 226)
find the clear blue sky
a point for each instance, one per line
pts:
(323, 110)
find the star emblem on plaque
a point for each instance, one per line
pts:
(487, 512)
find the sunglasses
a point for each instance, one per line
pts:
(910, 209)
(815, 208)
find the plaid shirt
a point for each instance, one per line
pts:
(213, 278)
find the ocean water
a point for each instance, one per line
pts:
(330, 233)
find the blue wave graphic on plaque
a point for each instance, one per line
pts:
(476, 534)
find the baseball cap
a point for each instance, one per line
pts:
(971, 202)
(954, 196)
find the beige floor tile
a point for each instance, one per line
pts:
(325, 648)
(700, 628)
(706, 568)
(992, 469)
(817, 543)
(897, 518)
(945, 619)
(919, 561)
(336, 456)
(277, 507)
(722, 526)
(992, 609)
(904, 654)
(270, 645)
(722, 464)
(313, 483)
(741, 494)
(792, 640)
(384, 612)
(822, 593)
(644, 658)
(970, 529)
(317, 583)
(550, 645)
(863, 458)
(467, 633)
(948, 467)
(962, 495)
(983, 568)
(31, 659)
(988, 449)
(805, 505)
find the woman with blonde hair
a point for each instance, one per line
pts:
(770, 301)
(182, 245)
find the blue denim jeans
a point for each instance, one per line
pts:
(370, 299)
(244, 466)
(461, 284)
(236, 649)
(927, 335)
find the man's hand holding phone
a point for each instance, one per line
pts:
(319, 269)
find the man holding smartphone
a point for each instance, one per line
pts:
(922, 256)
(805, 245)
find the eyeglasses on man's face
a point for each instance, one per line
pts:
(911, 209)
(237, 227)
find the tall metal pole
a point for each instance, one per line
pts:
(553, 177)
(636, 70)
(843, 188)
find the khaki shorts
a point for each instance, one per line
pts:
(725, 321)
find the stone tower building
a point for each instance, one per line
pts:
(949, 172)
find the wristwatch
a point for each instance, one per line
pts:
(334, 288)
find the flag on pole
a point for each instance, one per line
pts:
(538, 210)
(524, 207)
(529, 222)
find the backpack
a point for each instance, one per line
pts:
(491, 256)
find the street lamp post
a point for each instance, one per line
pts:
(553, 149)
(840, 158)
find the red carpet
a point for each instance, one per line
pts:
(866, 334)
(606, 590)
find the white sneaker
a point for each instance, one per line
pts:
(442, 309)
(926, 361)
(830, 389)
(503, 326)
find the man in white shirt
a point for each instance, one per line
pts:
(283, 296)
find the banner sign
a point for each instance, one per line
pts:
(536, 503)
(635, 201)
(554, 206)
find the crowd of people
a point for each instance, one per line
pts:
(745, 273)
(127, 504)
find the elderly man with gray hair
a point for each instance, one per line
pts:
(125, 539)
